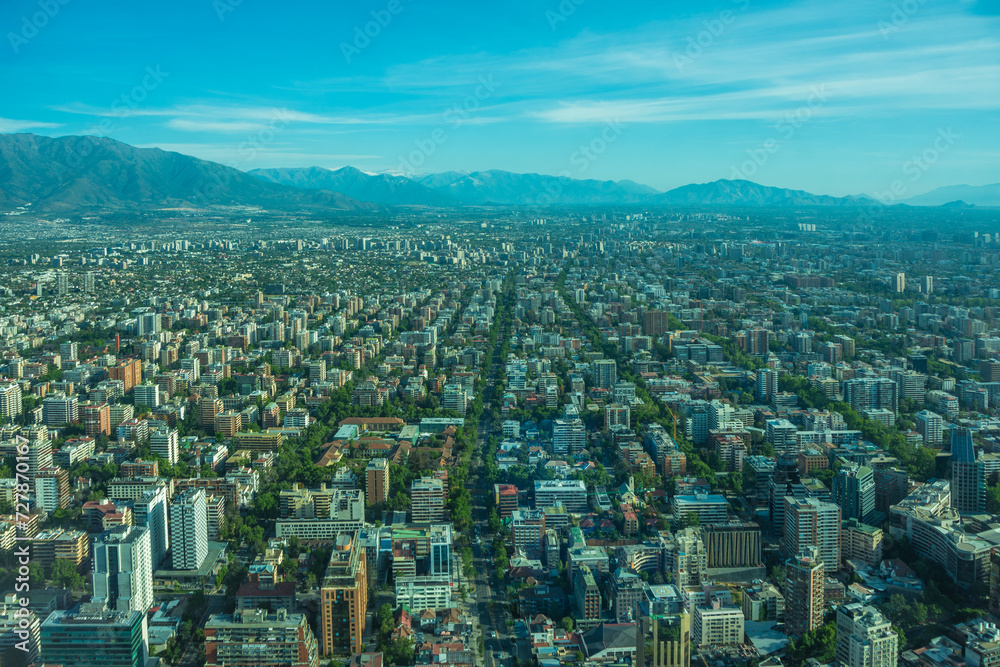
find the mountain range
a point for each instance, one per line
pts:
(62, 174)
(66, 174)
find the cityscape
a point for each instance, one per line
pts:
(483, 401)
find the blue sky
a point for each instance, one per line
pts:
(831, 97)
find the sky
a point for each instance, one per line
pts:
(838, 98)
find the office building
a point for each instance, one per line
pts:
(440, 543)
(673, 652)
(968, 474)
(709, 508)
(854, 491)
(123, 569)
(188, 530)
(732, 544)
(865, 638)
(804, 598)
(255, 637)
(812, 523)
(569, 494)
(377, 478)
(344, 598)
(87, 636)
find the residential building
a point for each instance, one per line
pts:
(804, 597)
(812, 523)
(428, 499)
(252, 637)
(377, 478)
(865, 638)
(717, 624)
(344, 598)
(188, 530)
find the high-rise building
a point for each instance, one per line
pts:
(427, 499)
(505, 497)
(900, 283)
(804, 597)
(253, 637)
(377, 477)
(812, 523)
(165, 442)
(188, 530)
(52, 489)
(605, 373)
(586, 594)
(854, 492)
(767, 384)
(88, 282)
(207, 409)
(616, 414)
(865, 638)
(147, 394)
(968, 474)
(39, 450)
(123, 569)
(439, 559)
(10, 400)
(931, 426)
(150, 511)
(96, 419)
(87, 636)
(569, 436)
(344, 598)
(60, 409)
(675, 652)
(129, 371)
(690, 559)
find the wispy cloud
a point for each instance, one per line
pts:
(11, 125)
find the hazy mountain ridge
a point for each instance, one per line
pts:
(378, 188)
(69, 173)
(973, 195)
(82, 172)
